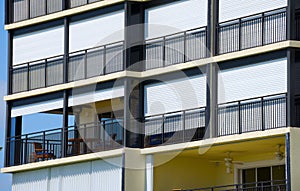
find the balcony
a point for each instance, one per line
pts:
(82, 64)
(239, 34)
(28, 9)
(255, 114)
(263, 185)
(81, 139)
(252, 31)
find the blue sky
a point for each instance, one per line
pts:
(5, 180)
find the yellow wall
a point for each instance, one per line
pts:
(189, 172)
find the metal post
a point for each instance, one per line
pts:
(262, 115)
(183, 127)
(240, 34)
(25, 149)
(240, 118)
(164, 51)
(44, 145)
(262, 29)
(104, 59)
(184, 47)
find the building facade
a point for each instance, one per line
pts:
(153, 95)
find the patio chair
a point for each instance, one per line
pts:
(40, 153)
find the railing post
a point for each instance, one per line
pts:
(28, 77)
(240, 118)
(85, 64)
(240, 34)
(46, 64)
(184, 47)
(163, 129)
(44, 145)
(104, 59)
(25, 149)
(164, 51)
(263, 29)
(46, 6)
(183, 126)
(28, 14)
(262, 115)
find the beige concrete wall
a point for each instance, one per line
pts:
(135, 165)
(295, 158)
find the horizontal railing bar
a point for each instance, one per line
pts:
(256, 14)
(174, 112)
(177, 33)
(40, 133)
(249, 99)
(238, 186)
(40, 60)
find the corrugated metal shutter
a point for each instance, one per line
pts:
(98, 175)
(38, 45)
(174, 17)
(98, 30)
(76, 177)
(92, 97)
(37, 107)
(30, 181)
(251, 81)
(175, 95)
(106, 175)
(232, 9)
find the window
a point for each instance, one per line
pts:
(267, 178)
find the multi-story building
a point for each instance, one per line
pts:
(153, 95)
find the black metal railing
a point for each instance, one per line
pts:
(28, 9)
(255, 114)
(82, 139)
(175, 127)
(252, 31)
(275, 185)
(176, 48)
(82, 64)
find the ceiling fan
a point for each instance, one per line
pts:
(278, 154)
(228, 161)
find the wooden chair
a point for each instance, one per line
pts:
(40, 153)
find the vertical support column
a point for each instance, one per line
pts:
(133, 61)
(149, 172)
(212, 69)
(291, 75)
(288, 162)
(65, 93)
(293, 157)
(134, 36)
(291, 17)
(133, 128)
(8, 11)
(9, 91)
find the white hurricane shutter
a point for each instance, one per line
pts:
(232, 9)
(32, 180)
(106, 175)
(252, 81)
(173, 17)
(37, 107)
(97, 31)
(75, 177)
(38, 45)
(92, 97)
(175, 95)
